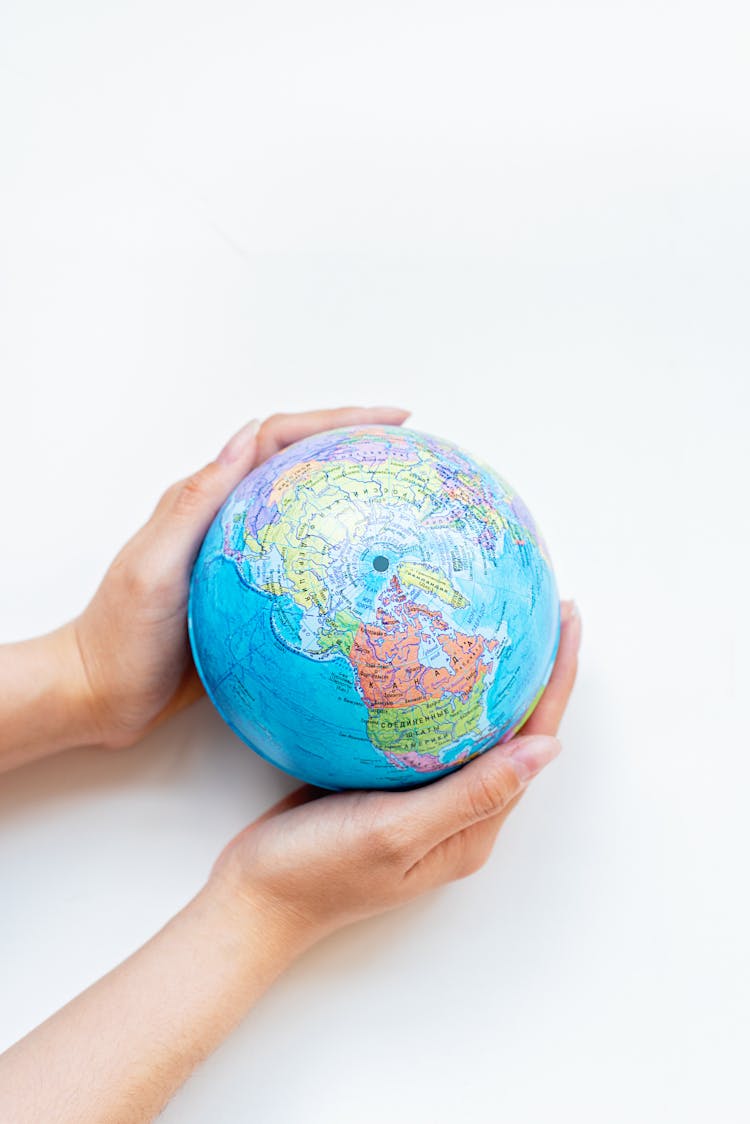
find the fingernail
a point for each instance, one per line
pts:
(568, 610)
(530, 755)
(236, 445)
(573, 620)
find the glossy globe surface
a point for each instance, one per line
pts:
(372, 607)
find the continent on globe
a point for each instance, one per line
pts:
(372, 607)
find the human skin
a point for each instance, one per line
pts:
(311, 864)
(124, 665)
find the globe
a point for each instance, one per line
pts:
(372, 608)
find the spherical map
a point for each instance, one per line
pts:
(372, 607)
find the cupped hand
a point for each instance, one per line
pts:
(131, 644)
(319, 861)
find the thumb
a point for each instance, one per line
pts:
(184, 513)
(478, 791)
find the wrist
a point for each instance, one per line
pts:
(48, 705)
(75, 701)
(245, 913)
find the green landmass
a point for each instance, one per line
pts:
(340, 632)
(427, 727)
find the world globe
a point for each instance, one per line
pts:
(372, 608)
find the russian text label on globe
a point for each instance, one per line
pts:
(372, 607)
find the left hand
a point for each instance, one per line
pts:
(131, 644)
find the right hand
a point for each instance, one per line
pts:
(316, 861)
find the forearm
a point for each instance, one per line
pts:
(119, 1051)
(43, 698)
(44, 704)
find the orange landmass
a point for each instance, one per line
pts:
(386, 654)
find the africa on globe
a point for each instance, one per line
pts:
(372, 607)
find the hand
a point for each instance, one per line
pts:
(130, 644)
(309, 865)
(321, 861)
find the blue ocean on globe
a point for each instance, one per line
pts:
(372, 607)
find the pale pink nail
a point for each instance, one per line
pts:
(236, 445)
(568, 610)
(529, 755)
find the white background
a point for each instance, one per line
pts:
(529, 223)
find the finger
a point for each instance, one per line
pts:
(189, 506)
(190, 690)
(302, 795)
(549, 710)
(184, 513)
(281, 430)
(293, 799)
(482, 836)
(461, 854)
(481, 789)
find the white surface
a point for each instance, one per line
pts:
(528, 222)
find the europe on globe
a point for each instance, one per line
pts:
(372, 607)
